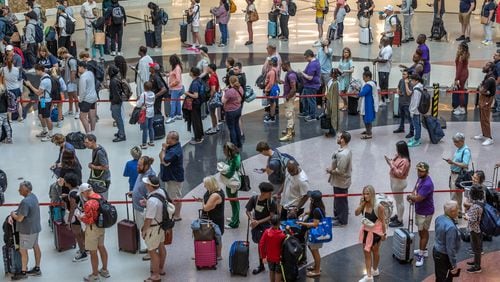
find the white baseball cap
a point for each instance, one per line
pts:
(9, 48)
(84, 188)
(389, 8)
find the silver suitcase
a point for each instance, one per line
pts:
(403, 241)
(365, 35)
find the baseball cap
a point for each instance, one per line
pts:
(153, 181)
(84, 188)
(155, 66)
(61, 7)
(423, 166)
(389, 8)
(9, 48)
(203, 48)
(315, 194)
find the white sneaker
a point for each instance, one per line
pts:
(179, 117)
(381, 103)
(113, 53)
(387, 100)
(459, 111)
(487, 142)
(375, 272)
(425, 254)
(59, 124)
(419, 261)
(366, 278)
(317, 43)
(170, 120)
(119, 53)
(77, 115)
(46, 138)
(68, 113)
(462, 110)
(479, 137)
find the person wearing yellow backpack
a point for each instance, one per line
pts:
(221, 14)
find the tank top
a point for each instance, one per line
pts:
(217, 213)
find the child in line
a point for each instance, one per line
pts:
(270, 248)
(130, 169)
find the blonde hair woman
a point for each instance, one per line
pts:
(373, 231)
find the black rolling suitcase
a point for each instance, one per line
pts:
(437, 30)
(159, 126)
(352, 105)
(183, 30)
(238, 256)
(433, 127)
(149, 35)
(11, 255)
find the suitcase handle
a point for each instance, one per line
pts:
(126, 205)
(410, 217)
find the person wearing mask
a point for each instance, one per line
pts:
(290, 91)
(368, 102)
(87, 96)
(458, 163)
(86, 12)
(116, 102)
(332, 102)
(158, 87)
(446, 243)
(399, 169)
(213, 83)
(176, 89)
(45, 102)
(194, 12)
(28, 224)
(423, 199)
(459, 100)
(70, 69)
(426, 57)
(415, 81)
(324, 56)
(154, 11)
(384, 61)
(487, 91)
(142, 71)
(407, 11)
(172, 170)
(271, 81)
(4, 119)
(147, 100)
(312, 83)
(373, 231)
(465, 9)
(221, 14)
(118, 18)
(404, 104)
(99, 165)
(231, 100)
(29, 37)
(474, 215)
(346, 67)
(249, 19)
(94, 236)
(193, 97)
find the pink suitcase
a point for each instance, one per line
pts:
(205, 254)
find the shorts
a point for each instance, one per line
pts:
(28, 241)
(174, 189)
(464, 18)
(376, 238)
(315, 246)
(195, 28)
(44, 112)
(85, 107)
(274, 266)
(71, 87)
(94, 237)
(423, 222)
(16, 92)
(320, 20)
(154, 237)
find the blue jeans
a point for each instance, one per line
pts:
(404, 113)
(417, 126)
(147, 127)
(233, 125)
(223, 32)
(116, 114)
(309, 104)
(175, 106)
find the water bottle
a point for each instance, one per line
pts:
(42, 103)
(100, 221)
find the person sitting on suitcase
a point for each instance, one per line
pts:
(151, 231)
(270, 248)
(263, 208)
(27, 218)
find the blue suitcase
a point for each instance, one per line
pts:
(272, 29)
(238, 256)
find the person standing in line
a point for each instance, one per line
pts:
(293, 192)
(487, 13)
(487, 92)
(99, 165)
(86, 11)
(172, 170)
(460, 161)
(118, 18)
(221, 14)
(142, 71)
(459, 100)
(340, 178)
(70, 68)
(98, 25)
(423, 199)
(332, 102)
(365, 9)
(130, 169)
(289, 91)
(368, 102)
(11, 81)
(73, 202)
(94, 236)
(193, 97)
(407, 11)
(399, 169)
(270, 248)
(116, 102)
(373, 231)
(176, 89)
(390, 23)
(147, 100)
(346, 67)
(339, 16)
(194, 12)
(156, 22)
(64, 39)
(159, 87)
(233, 160)
(465, 8)
(4, 119)
(439, 8)
(213, 84)
(272, 77)
(426, 57)
(232, 100)
(404, 92)
(87, 96)
(324, 56)
(27, 217)
(384, 61)
(248, 11)
(284, 17)
(496, 72)
(446, 244)
(30, 37)
(474, 216)
(312, 84)
(417, 90)
(67, 8)
(321, 6)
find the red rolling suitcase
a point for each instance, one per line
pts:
(128, 233)
(210, 32)
(64, 239)
(205, 254)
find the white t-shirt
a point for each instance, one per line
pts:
(196, 15)
(154, 207)
(389, 22)
(61, 22)
(86, 12)
(385, 54)
(147, 98)
(295, 187)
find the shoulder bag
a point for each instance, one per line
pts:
(321, 233)
(142, 113)
(95, 179)
(244, 179)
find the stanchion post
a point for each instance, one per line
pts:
(435, 99)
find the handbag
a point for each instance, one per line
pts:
(253, 16)
(347, 8)
(142, 113)
(261, 81)
(15, 37)
(169, 236)
(249, 94)
(484, 20)
(203, 230)
(244, 179)
(188, 104)
(99, 38)
(97, 184)
(134, 117)
(321, 233)
(216, 101)
(325, 122)
(234, 182)
(366, 222)
(464, 175)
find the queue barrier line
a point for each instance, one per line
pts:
(248, 198)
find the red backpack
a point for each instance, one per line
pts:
(18, 51)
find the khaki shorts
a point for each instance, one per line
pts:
(28, 241)
(154, 237)
(174, 189)
(423, 222)
(195, 28)
(94, 236)
(464, 18)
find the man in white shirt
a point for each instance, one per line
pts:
(293, 193)
(142, 69)
(88, 17)
(384, 61)
(390, 23)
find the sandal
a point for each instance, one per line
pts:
(152, 280)
(312, 274)
(163, 273)
(311, 268)
(365, 136)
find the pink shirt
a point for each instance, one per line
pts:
(232, 99)
(175, 78)
(400, 167)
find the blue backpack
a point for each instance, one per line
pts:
(54, 115)
(38, 33)
(163, 17)
(490, 221)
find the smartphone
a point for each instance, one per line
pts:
(445, 160)
(258, 170)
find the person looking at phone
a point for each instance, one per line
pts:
(399, 169)
(460, 161)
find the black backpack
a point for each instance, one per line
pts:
(291, 253)
(76, 139)
(55, 88)
(98, 72)
(9, 234)
(284, 158)
(117, 14)
(167, 222)
(425, 101)
(107, 215)
(125, 90)
(292, 8)
(3, 181)
(70, 25)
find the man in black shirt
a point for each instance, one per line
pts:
(115, 91)
(159, 86)
(263, 208)
(487, 92)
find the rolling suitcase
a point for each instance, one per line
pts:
(128, 233)
(149, 35)
(332, 31)
(365, 35)
(11, 255)
(272, 29)
(210, 32)
(64, 239)
(159, 126)
(205, 254)
(396, 41)
(403, 240)
(395, 106)
(238, 256)
(183, 30)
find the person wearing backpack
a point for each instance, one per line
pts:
(152, 231)
(270, 247)
(373, 231)
(390, 23)
(12, 83)
(290, 90)
(158, 87)
(157, 22)
(64, 25)
(4, 121)
(30, 37)
(94, 236)
(274, 169)
(117, 19)
(473, 216)
(116, 102)
(416, 81)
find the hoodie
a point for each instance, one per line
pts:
(270, 245)
(114, 86)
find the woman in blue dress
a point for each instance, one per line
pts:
(368, 102)
(346, 68)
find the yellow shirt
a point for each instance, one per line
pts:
(320, 7)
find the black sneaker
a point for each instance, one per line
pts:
(399, 130)
(258, 270)
(19, 276)
(393, 218)
(467, 40)
(462, 37)
(474, 269)
(409, 135)
(470, 263)
(35, 271)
